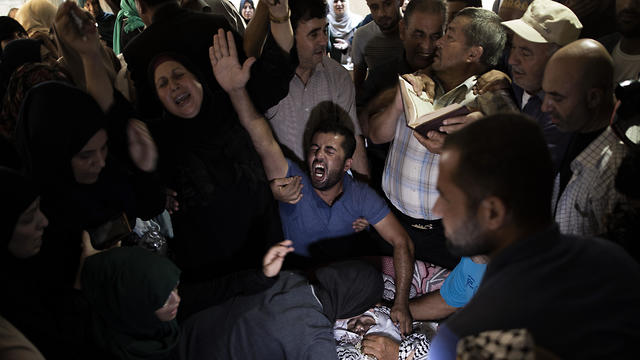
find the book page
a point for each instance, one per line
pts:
(414, 105)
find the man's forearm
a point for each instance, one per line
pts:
(382, 126)
(360, 164)
(97, 80)
(256, 32)
(403, 266)
(430, 307)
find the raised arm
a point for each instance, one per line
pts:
(233, 77)
(80, 33)
(391, 230)
(268, 12)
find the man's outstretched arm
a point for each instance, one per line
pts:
(233, 77)
(391, 230)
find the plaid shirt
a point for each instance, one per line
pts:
(411, 171)
(590, 195)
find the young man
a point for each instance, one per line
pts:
(332, 200)
(497, 203)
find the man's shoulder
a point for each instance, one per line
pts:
(366, 30)
(334, 69)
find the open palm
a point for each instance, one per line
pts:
(224, 61)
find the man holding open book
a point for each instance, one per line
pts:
(472, 44)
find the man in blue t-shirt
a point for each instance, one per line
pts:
(331, 200)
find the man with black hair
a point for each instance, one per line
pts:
(331, 199)
(170, 28)
(317, 78)
(497, 203)
(472, 45)
(453, 6)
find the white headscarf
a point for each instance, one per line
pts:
(342, 25)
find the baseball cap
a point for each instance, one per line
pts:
(547, 21)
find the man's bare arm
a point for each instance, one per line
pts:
(256, 32)
(232, 78)
(382, 126)
(391, 230)
(430, 307)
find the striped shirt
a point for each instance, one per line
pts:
(411, 171)
(371, 47)
(590, 195)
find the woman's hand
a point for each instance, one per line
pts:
(287, 190)
(224, 61)
(142, 148)
(273, 259)
(76, 29)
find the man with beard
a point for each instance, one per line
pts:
(532, 47)
(576, 296)
(624, 46)
(472, 44)
(378, 41)
(579, 98)
(317, 78)
(331, 200)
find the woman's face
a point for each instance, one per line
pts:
(169, 310)
(247, 11)
(178, 89)
(338, 6)
(27, 235)
(89, 162)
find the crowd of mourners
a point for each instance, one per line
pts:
(188, 179)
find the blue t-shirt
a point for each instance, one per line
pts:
(462, 282)
(311, 219)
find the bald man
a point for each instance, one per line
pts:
(579, 98)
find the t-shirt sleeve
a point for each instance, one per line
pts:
(373, 206)
(357, 49)
(463, 281)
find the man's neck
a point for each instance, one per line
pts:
(599, 121)
(451, 79)
(304, 73)
(511, 234)
(394, 31)
(330, 195)
(629, 45)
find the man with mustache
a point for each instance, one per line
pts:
(624, 46)
(579, 98)
(317, 78)
(472, 44)
(378, 41)
(532, 47)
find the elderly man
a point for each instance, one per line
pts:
(497, 203)
(532, 46)
(331, 199)
(472, 44)
(317, 78)
(579, 98)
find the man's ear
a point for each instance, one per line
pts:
(492, 213)
(594, 98)
(474, 54)
(403, 30)
(347, 164)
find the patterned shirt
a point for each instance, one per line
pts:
(289, 118)
(411, 171)
(372, 47)
(590, 194)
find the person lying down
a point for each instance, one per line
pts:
(350, 333)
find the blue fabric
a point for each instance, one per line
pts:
(444, 345)
(462, 282)
(311, 219)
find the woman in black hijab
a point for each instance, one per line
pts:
(73, 151)
(227, 216)
(10, 30)
(52, 318)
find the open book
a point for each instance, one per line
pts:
(419, 112)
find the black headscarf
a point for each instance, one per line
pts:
(125, 286)
(348, 288)
(16, 54)
(17, 193)
(8, 27)
(210, 151)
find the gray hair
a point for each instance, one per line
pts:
(486, 30)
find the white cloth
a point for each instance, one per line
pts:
(329, 82)
(625, 66)
(590, 194)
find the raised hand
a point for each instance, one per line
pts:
(273, 259)
(142, 148)
(76, 29)
(224, 61)
(278, 8)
